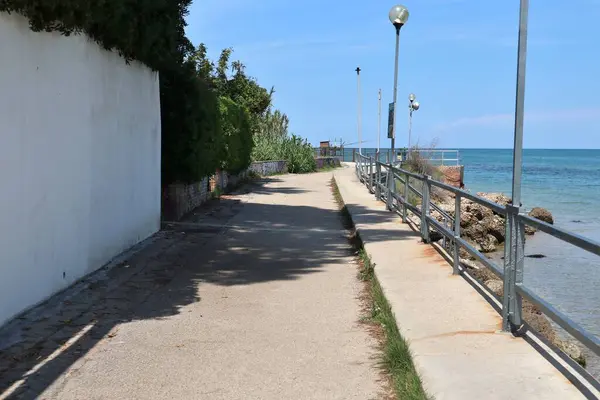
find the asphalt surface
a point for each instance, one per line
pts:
(256, 298)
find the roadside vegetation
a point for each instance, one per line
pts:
(396, 360)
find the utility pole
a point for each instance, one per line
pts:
(358, 117)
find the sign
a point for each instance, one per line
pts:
(391, 121)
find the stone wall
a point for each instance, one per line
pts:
(323, 162)
(180, 199)
(266, 168)
(453, 175)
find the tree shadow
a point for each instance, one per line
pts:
(228, 242)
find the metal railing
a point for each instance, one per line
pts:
(335, 152)
(438, 157)
(381, 179)
(433, 156)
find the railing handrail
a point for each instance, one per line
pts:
(512, 271)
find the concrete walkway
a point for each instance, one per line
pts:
(454, 333)
(254, 299)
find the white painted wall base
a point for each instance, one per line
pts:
(79, 160)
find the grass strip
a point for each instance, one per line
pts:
(396, 359)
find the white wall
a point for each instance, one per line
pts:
(79, 160)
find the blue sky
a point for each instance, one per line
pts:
(457, 56)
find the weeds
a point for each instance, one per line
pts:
(367, 268)
(396, 359)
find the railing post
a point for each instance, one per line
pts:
(455, 269)
(519, 269)
(378, 181)
(425, 210)
(371, 173)
(513, 269)
(390, 178)
(406, 192)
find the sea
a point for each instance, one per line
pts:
(567, 183)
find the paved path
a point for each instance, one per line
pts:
(265, 308)
(454, 333)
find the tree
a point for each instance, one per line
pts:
(238, 143)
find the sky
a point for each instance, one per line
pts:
(458, 56)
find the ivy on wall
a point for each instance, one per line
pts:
(151, 31)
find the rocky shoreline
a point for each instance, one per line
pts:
(485, 230)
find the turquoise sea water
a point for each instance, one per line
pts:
(566, 182)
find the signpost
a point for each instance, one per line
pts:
(391, 121)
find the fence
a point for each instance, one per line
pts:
(381, 178)
(329, 152)
(433, 156)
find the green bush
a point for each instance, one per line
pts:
(297, 152)
(192, 142)
(238, 143)
(150, 31)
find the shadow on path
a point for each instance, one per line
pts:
(227, 242)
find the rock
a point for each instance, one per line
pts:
(495, 226)
(498, 198)
(478, 222)
(488, 244)
(435, 236)
(542, 214)
(469, 263)
(573, 351)
(496, 286)
(465, 254)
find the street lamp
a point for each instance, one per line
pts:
(358, 110)
(413, 105)
(515, 240)
(398, 17)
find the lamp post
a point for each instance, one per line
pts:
(358, 127)
(398, 16)
(515, 231)
(378, 123)
(520, 104)
(413, 105)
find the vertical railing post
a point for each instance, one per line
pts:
(406, 194)
(425, 209)
(519, 269)
(371, 174)
(455, 270)
(513, 269)
(378, 181)
(507, 272)
(390, 177)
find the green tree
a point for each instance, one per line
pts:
(237, 135)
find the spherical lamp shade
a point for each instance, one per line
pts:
(416, 105)
(399, 15)
(411, 97)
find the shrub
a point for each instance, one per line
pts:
(237, 136)
(299, 155)
(192, 143)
